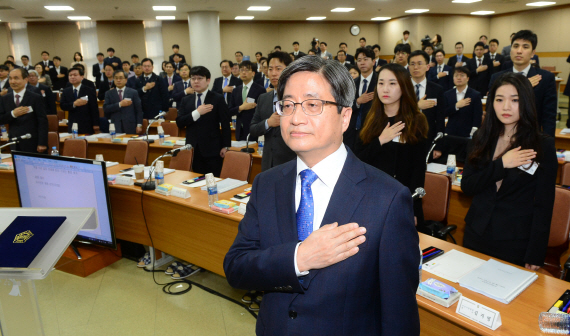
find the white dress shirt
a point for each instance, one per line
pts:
(328, 171)
(492, 56)
(171, 79)
(195, 114)
(188, 83)
(460, 95)
(21, 94)
(58, 69)
(2, 83)
(423, 85)
(479, 61)
(368, 80)
(525, 70)
(78, 89)
(247, 87)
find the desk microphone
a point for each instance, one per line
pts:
(438, 136)
(22, 137)
(161, 114)
(175, 151)
(420, 193)
(247, 149)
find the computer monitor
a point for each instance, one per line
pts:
(46, 181)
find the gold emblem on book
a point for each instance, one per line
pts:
(23, 237)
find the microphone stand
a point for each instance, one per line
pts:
(150, 184)
(150, 122)
(247, 149)
(13, 142)
(433, 146)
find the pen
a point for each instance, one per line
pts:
(429, 255)
(429, 251)
(566, 306)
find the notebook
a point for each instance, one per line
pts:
(25, 237)
(228, 184)
(452, 265)
(498, 281)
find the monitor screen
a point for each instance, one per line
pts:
(62, 182)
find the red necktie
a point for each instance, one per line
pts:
(120, 94)
(17, 100)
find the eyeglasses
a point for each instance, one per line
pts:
(311, 107)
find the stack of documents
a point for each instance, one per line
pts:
(5, 156)
(437, 168)
(565, 131)
(498, 281)
(243, 143)
(452, 265)
(227, 184)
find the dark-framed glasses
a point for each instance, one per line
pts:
(311, 107)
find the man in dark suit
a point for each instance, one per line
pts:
(81, 103)
(85, 81)
(244, 100)
(458, 59)
(341, 58)
(401, 53)
(108, 83)
(4, 80)
(441, 73)
(296, 52)
(177, 64)
(480, 68)
(99, 69)
(58, 74)
(152, 91)
(429, 95)
(47, 94)
(301, 240)
(428, 48)
(134, 59)
(349, 58)
(24, 112)
(112, 59)
(26, 63)
(543, 82)
(262, 77)
(496, 58)
(169, 80)
(227, 83)
(176, 49)
(364, 94)
(463, 106)
(378, 62)
(266, 121)
(183, 87)
(45, 62)
(202, 113)
(132, 81)
(123, 106)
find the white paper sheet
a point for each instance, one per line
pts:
(436, 168)
(452, 265)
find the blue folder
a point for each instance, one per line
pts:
(25, 237)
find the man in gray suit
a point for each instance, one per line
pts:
(123, 106)
(266, 121)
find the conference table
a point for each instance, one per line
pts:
(561, 141)
(189, 230)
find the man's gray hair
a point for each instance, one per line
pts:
(336, 74)
(33, 72)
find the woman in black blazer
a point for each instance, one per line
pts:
(511, 174)
(393, 138)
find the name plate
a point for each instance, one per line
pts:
(91, 138)
(124, 180)
(180, 192)
(474, 311)
(242, 208)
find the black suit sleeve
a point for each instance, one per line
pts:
(257, 126)
(549, 105)
(51, 101)
(66, 102)
(42, 120)
(440, 111)
(224, 116)
(93, 107)
(5, 115)
(476, 180)
(184, 118)
(164, 97)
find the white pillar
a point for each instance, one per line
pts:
(20, 43)
(205, 41)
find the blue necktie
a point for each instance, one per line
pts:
(266, 83)
(75, 93)
(459, 58)
(418, 91)
(225, 84)
(359, 117)
(199, 100)
(185, 85)
(306, 210)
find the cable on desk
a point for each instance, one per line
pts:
(167, 286)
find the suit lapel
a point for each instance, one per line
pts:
(26, 98)
(285, 197)
(10, 103)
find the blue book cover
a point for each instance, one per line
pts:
(25, 237)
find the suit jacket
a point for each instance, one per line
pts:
(97, 73)
(104, 87)
(85, 116)
(259, 78)
(182, 59)
(545, 97)
(480, 81)
(132, 82)
(28, 67)
(50, 64)
(125, 118)
(499, 58)
(85, 82)
(178, 92)
(219, 83)
(205, 134)
(58, 83)
(446, 82)
(365, 295)
(352, 133)
(175, 78)
(154, 100)
(349, 59)
(6, 85)
(48, 98)
(275, 150)
(244, 117)
(379, 62)
(453, 60)
(111, 60)
(435, 115)
(299, 54)
(328, 55)
(35, 122)
(461, 121)
(521, 210)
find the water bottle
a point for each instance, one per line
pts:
(234, 122)
(451, 164)
(553, 323)
(212, 188)
(112, 131)
(54, 151)
(74, 129)
(260, 144)
(4, 132)
(160, 131)
(159, 172)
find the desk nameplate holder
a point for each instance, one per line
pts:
(479, 313)
(124, 180)
(19, 309)
(180, 192)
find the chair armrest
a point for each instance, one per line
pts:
(447, 230)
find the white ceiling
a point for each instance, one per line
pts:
(280, 9)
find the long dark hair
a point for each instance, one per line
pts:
(416, 123)
(527, 134)
(77, 53)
